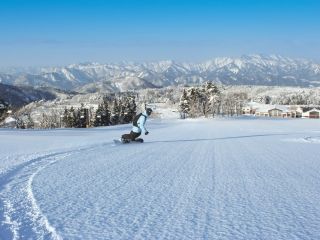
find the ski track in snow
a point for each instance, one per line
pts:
(306, 139)
(223, 179)
(21, 216)
(20, 209)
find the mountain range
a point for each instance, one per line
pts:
(270, 70)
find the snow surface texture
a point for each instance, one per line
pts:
(191, 179)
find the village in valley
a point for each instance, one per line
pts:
(280, 111)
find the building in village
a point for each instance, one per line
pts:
(313, 113)
(276, 112)
(248, 110)
(279, 111)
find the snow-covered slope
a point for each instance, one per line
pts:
(194, 179)
(119, 85)
(248, 69)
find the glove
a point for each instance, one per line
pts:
(146, 133)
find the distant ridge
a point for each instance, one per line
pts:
(16, 96)
(270, 70)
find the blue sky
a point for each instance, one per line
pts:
(59, 32)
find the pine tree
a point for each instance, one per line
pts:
(214, 97)
(25, 121)
(132, 109)
(184, 105)
(200, 101)
(3, 109)
(105, 113)
(209, 93)
(65, 118)
(97, 120)
(115, 114)
(193, 96)
(71, 121)
(82, 118)
(129, 109)
(29, 122)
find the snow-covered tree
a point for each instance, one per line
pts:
(211, 98)
(98, 115)
(24, 122)
(200, 101)
(102, 116)
(128, 109)
(184, 106)
(69, 118)
(115, 112)
(194, 102)
(3, 109)
(263, 99)
(82, 117)
(52, 120)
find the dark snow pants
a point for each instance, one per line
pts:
(131, 136)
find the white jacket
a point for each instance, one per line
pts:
(141, 122)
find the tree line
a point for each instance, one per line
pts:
(210, 100)
(111, 111)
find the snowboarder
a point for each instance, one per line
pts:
(138, 127)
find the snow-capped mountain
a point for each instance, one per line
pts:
(272, 70)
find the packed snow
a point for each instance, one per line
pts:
(240, 178)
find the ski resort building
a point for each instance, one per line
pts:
(313, 113)
(271, 111)
(248, 110)
(280, 111)
(294, 112)
(262, 111)
(276, 112)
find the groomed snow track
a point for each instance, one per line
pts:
(222, 179)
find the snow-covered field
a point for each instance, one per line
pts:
(191, 179)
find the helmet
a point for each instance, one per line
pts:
(148, 111)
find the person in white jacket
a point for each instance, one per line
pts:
(138, 127)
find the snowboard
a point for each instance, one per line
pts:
(138, 140)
